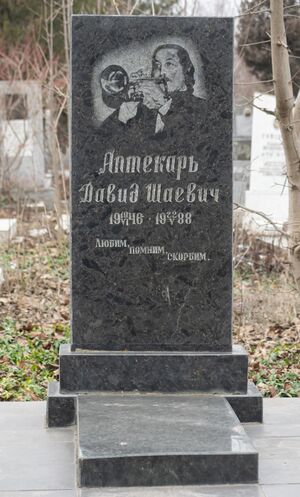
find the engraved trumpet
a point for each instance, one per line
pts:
(117, 87)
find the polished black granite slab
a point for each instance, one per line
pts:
(129, 440)
(248, 407)
(153, 371)
(61, 408)
(151, 183)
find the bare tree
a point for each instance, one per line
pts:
(288, 114)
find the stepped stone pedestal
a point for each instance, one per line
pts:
(153, 371)
(133, 440)
(151, 378)
(136, 439)
(132, 431)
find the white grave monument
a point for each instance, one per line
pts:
(8, 229)
(268, 192)
(22, 164)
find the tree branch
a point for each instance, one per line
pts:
(254, 43)
(286, 116)
(255, 82)
(250, 13)
(134, 7)
(266, 111)
(296, 114)
(116, 7)
(264, 216)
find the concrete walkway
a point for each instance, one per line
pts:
(38, 462)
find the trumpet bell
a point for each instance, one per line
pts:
(114, 80)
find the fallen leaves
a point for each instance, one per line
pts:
(28, 356)
(267, 315)
(34, 316)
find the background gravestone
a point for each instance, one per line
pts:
(151, 191)
(268, 192)
(22, 164)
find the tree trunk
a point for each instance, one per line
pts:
(287, 114)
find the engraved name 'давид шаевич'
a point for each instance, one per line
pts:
(172, 165)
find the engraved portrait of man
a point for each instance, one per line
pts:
(156, 104)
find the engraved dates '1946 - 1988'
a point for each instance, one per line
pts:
(126, 218)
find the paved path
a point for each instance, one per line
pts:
(38, 462)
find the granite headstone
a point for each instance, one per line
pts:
(151, 346)
(151, 183)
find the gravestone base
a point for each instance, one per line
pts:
(215, 372)
(161, 439)
(62, 407)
